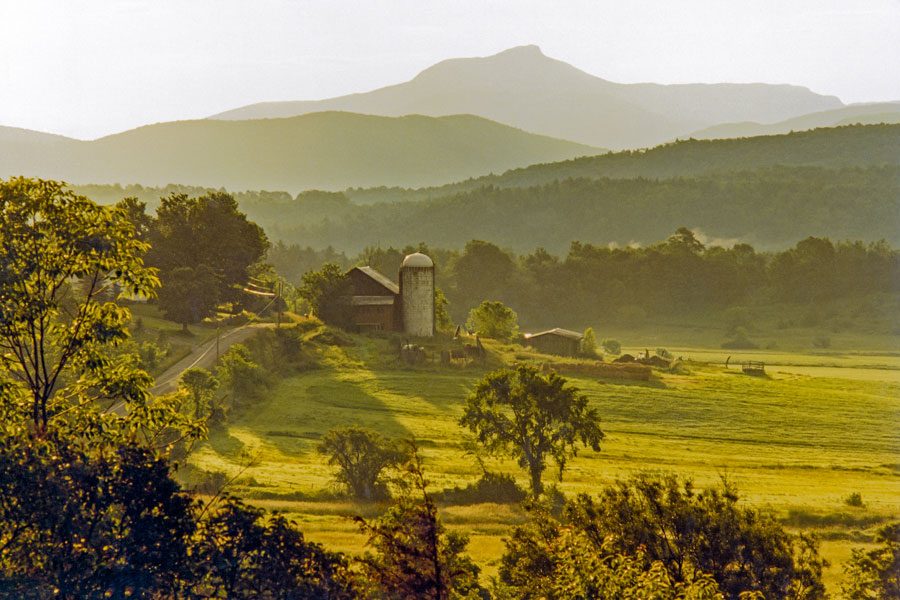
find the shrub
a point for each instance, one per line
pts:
(854, 499)
(663, 353)
(611, 346)
(499, 488)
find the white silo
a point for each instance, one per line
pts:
(417, 293)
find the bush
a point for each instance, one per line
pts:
(499, 488)
(855, 499)
(611, 346)
(663, 353)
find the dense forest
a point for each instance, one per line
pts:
(769, 208)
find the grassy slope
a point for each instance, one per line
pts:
(792, 443)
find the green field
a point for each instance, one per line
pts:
(798, 442)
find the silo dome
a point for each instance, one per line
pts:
(417, 295)
(417, 260)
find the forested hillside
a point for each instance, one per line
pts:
(848, 146)
(768, 208)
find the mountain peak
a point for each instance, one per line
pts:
(527, 50)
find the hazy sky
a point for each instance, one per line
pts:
(86, 68)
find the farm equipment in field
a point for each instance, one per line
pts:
(753, 367)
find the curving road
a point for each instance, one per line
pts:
(203, 356)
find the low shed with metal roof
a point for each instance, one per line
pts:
(558, 341)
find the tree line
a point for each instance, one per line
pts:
(679, 276)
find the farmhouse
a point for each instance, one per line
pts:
(555, 341)
(379, 304)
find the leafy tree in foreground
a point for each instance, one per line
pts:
(666, 521)
(326, 290)
(416, 559)
(240, 555)
(549, 560)
(55, 338)
(361, 456)
(75, 525)
(493, 319)
(875, 574)
(532, 416)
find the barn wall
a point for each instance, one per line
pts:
(554, 344)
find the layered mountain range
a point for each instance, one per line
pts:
(524, 88)
(460, 119)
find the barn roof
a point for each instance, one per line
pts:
(379, 278)
(557, 331)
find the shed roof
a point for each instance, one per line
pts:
(379, 278)
(556, 331)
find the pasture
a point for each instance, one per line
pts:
(797, 442)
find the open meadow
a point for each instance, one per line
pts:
(798, 442)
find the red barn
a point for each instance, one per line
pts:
(375, 301)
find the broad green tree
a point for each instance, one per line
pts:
(189, 295)
(533, 417)
(493, 319)
(56, 337)
(326, 292)
(362, 458)
(201, 386)
(208, 232)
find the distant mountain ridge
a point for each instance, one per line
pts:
(331, 150)
(524, 88)
(878, 112)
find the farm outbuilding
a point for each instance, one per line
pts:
(375, 301)
(379, 304)
(562, 342)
